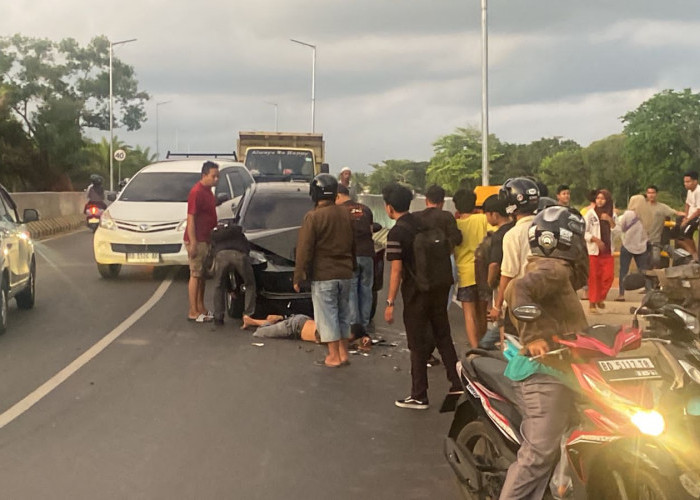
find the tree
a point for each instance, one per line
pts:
(520, 160)
(457, 159)
(55, 90)
(567, 167)
(664, 138)
(408, 172)
(609, 168)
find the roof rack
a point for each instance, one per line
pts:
(203, 155)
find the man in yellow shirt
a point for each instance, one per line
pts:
(473, 227)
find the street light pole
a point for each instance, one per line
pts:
(111, 112)
(158, 104)
(313, 82)
(484, 95)
(277, 129)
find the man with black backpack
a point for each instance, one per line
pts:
(420, 267)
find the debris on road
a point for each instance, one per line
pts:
(258, 344)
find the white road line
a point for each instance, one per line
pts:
(51, 384)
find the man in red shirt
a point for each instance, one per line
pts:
(201, 219)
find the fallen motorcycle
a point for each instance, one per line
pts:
(635, 429)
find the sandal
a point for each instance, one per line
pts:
(202, 318)
(620, 299)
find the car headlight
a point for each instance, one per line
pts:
(650, 423)
(182, 226)
(106, 221)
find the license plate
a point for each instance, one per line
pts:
(623, 369)
(143, 258)
(93, 220)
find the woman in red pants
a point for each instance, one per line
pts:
(599, 225)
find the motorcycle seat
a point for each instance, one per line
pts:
(490, 371)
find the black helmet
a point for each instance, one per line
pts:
(323, 187)
(520, 194)
(96, 179)
(558, 232)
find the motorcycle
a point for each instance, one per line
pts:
(635, 428)
(666, 253)
(93, 212)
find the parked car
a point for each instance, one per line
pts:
(271, 214)
(17, 261)
(146, 222)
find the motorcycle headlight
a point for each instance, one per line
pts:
(106, 221)
(650, 423)
(691, 322)
(182, 226)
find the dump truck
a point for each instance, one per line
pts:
(275, 156)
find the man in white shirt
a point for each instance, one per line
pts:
(692, 213)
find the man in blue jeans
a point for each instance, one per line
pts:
(325, 256)
(362, 281)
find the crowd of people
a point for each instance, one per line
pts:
(519, 245)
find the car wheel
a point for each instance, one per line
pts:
(25, 299)
(3, 307)
(109, 271)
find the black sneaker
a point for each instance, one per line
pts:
(414, 404)
(433, 361)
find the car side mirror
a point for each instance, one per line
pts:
(30, 215)
(111, 196)
(221, 198)
(527, 314)
(325, 168)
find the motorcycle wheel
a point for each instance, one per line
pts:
(235, 301)
(642, 485)
(490, 452)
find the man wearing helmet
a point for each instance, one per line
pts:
(95, 191)
(325, 256)
(557, 267)
(521, 196)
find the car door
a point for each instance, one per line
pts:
(10, 245)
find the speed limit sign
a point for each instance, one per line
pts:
(120, 155)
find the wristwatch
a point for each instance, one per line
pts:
(389, 303)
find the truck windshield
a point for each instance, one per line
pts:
(280, 162)
(160, 186)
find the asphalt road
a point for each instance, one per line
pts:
(173, 409)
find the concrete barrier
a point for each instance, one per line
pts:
(50, 204)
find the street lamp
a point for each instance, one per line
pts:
(313, 83)
(158, 104)
(484, 95)
(277, 129)
(111, 107)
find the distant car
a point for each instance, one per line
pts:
(145, 224)
(17, 261)
(271, 214)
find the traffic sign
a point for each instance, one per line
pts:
(120, 155)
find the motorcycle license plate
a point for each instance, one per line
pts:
(93, 220)
(626, 369)
(143, 258)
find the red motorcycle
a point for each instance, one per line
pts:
(635, 431)
(93, 212)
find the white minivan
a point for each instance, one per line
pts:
(145, 224)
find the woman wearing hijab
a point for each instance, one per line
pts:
(599, 225)
(635, 241)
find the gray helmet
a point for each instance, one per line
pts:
(323, 187)
(558, 232)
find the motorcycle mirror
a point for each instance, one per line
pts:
(655, 300)
(111, 196)
(634, 281)
(527, 313)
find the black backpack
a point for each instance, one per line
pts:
(431, 258)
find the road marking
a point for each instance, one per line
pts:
(33, 398)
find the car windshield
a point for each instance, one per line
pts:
(278, 162)
(160, 186)
(275, 211)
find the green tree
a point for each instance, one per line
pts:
(609, 168)
(664, 138)
(525, 159)
(55, 90)
(408, 172)
(457, 159)
(567, 167)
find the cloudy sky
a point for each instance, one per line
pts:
(391, 75)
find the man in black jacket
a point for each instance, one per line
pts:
(231, 252)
